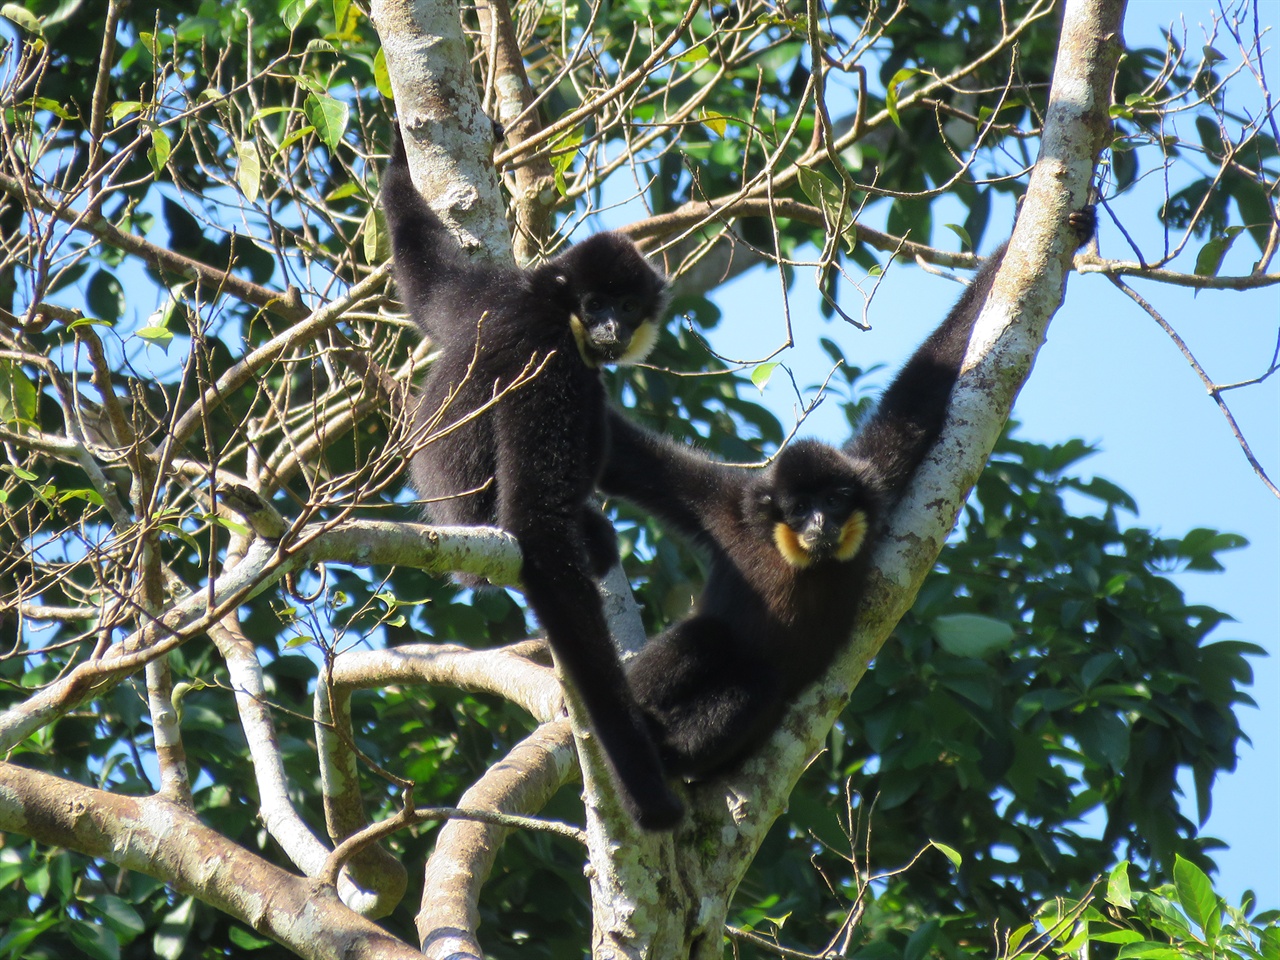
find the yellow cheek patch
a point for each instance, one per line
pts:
(852, 534)
(580, 338)
(789, 546)
(642, 342)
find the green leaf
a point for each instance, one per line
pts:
(49, 104)
(248, 169)
(1150, 950)
(564, 151)
(1118, 891)
(1195, 893)
(160, 149)
(1104, 737)
(245, 940)
(174, 530)
(971, 635)
(237, 528)
(761, 374)
(718, 122)
(1117, 936)
(1269, 941)
(118, 914)
(1016, 938)
(891, 93)
(949, 852)
(965, 242)
(123, 108)
(820, 188)
(174, 931)
(160, 336)
(382, 79)
(695, 54)
(292, 12)
(23, 17)
(91, 495)
(328, 116)
(1209, 259)
(373, 233)
(921, 940)
(95, 940)
(17, 394)
(105, 296)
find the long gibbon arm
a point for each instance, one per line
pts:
(648, 469)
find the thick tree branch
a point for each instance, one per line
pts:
(522, 782)
(138, 833)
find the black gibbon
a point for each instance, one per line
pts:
(516, 408)
(788, 546)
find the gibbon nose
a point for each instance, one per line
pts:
(605, 331)
(818, 534)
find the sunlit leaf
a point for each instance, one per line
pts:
(373, 234)
(123, 108)
(158, 155)
(965, 242)
(891, 92)
(718, 122)
(46, 103)
(245, 940)
(17, 394)
(328, 116)
(761, 375)
(248, 169)
(23, 17)
(949, 852)
(382, 79)
(292, 12)
(170, 939)
(160, 336)
(1196, 895)
(87, 493)
(1118, 892)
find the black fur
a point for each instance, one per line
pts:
(529, 461)
(783, 588)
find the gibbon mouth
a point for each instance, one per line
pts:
(608, 350)
(820, 544)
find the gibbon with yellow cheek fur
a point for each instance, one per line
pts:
(788, 546)
(528, 462)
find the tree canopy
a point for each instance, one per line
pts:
(229, 646)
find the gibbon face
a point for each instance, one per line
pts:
(817, 505)
(616, 298)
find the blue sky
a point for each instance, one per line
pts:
(1109, 375)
